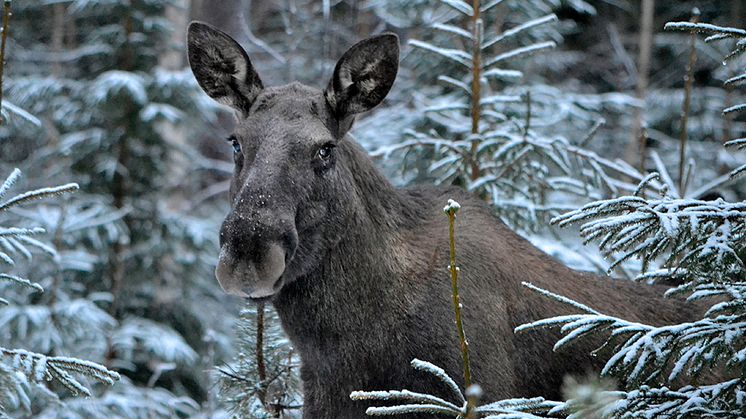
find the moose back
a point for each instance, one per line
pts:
(356, 268)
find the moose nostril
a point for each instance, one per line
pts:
(226, 275)
(273, 263)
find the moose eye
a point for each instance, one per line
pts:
(236, 145)
(326, 151)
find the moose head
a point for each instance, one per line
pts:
(290, 179)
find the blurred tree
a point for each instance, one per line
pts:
(20, 368)
(135, 289)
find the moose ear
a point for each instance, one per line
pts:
(364, 75)
(222, 68)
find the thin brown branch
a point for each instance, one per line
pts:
(451, 210)
(234, 376)
(120, 186)
(735, 19)
(688, 83)
(59, 12)
(636, 148)
(476, 76)
(261, 367)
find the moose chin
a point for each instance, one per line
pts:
(354, 266)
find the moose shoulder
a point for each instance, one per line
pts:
(356, 267)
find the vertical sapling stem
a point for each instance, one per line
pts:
(451, 209)
(476, 87)
(688, 83)
(261, 367)
(637, 146)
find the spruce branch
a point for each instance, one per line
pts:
(705, 28)
(559, 298)
(38, 368)
(9, 182)
(519, 29)
(643, 352)
(18, 239)
(441, 375)
(38, 194)
(413, 402)
(489, 5)
(520, 52)
(461, 6)
(22, 281)
(701, 232)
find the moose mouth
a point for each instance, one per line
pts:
(255, 281)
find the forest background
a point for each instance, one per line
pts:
(99, 105)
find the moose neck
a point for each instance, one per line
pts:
(357, 279)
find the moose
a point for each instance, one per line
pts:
(356, 268)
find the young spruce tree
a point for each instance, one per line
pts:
(700, 247)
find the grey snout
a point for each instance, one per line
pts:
(260, 278)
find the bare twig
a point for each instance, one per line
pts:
(476, 76)
(688, 82)
(636, 148)
(451, 210)
(261, 368)
(58, 34)
(735, 13)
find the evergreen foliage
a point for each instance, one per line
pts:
(266, 385)
(493, 139)
(20, 368)
(132, 285)
(459, 408)
(738, 38)
(699, 246)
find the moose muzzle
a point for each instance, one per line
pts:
(258, 278)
